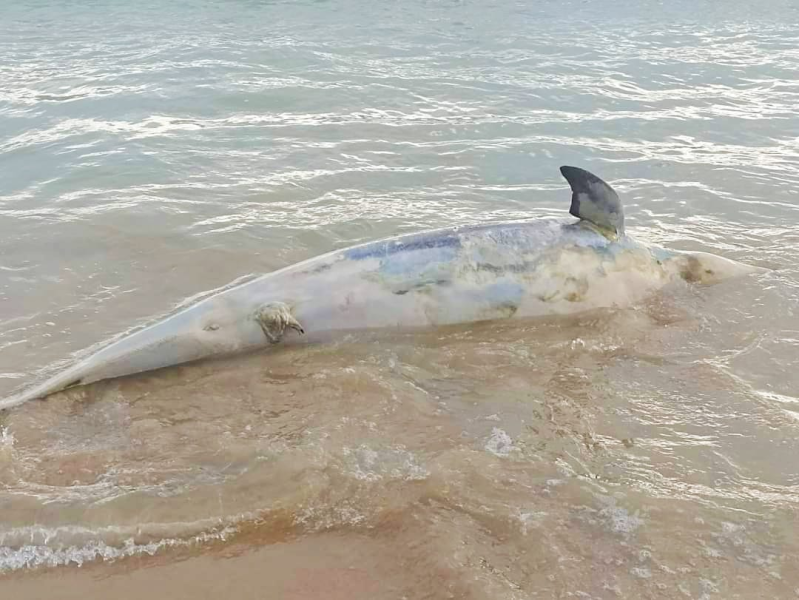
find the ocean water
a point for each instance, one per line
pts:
(150, 151)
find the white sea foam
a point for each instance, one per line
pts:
(500, 443)
(52, 554)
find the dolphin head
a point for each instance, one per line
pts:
(214, 326)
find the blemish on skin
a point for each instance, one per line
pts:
(505, 310)
(692, 272)
(322, 268)
(424, 286)
(522, 267)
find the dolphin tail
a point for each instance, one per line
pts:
(594, 200)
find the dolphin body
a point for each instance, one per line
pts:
(453, 275)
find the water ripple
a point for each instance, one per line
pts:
(153, 150)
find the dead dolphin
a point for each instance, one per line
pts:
(453, 275)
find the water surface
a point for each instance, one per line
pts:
(151, 151)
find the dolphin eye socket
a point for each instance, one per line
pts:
(211, 327)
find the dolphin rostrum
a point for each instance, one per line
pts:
(454, 275)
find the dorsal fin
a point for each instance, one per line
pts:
(594, 200)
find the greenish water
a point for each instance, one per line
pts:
(150, 151)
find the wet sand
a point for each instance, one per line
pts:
(328, 567)
(373, 566)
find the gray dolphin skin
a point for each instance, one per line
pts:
(454, 275)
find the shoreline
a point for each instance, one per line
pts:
(328, 565)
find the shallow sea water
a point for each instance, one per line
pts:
(149, 152)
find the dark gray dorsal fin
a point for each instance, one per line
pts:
(594, 200)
